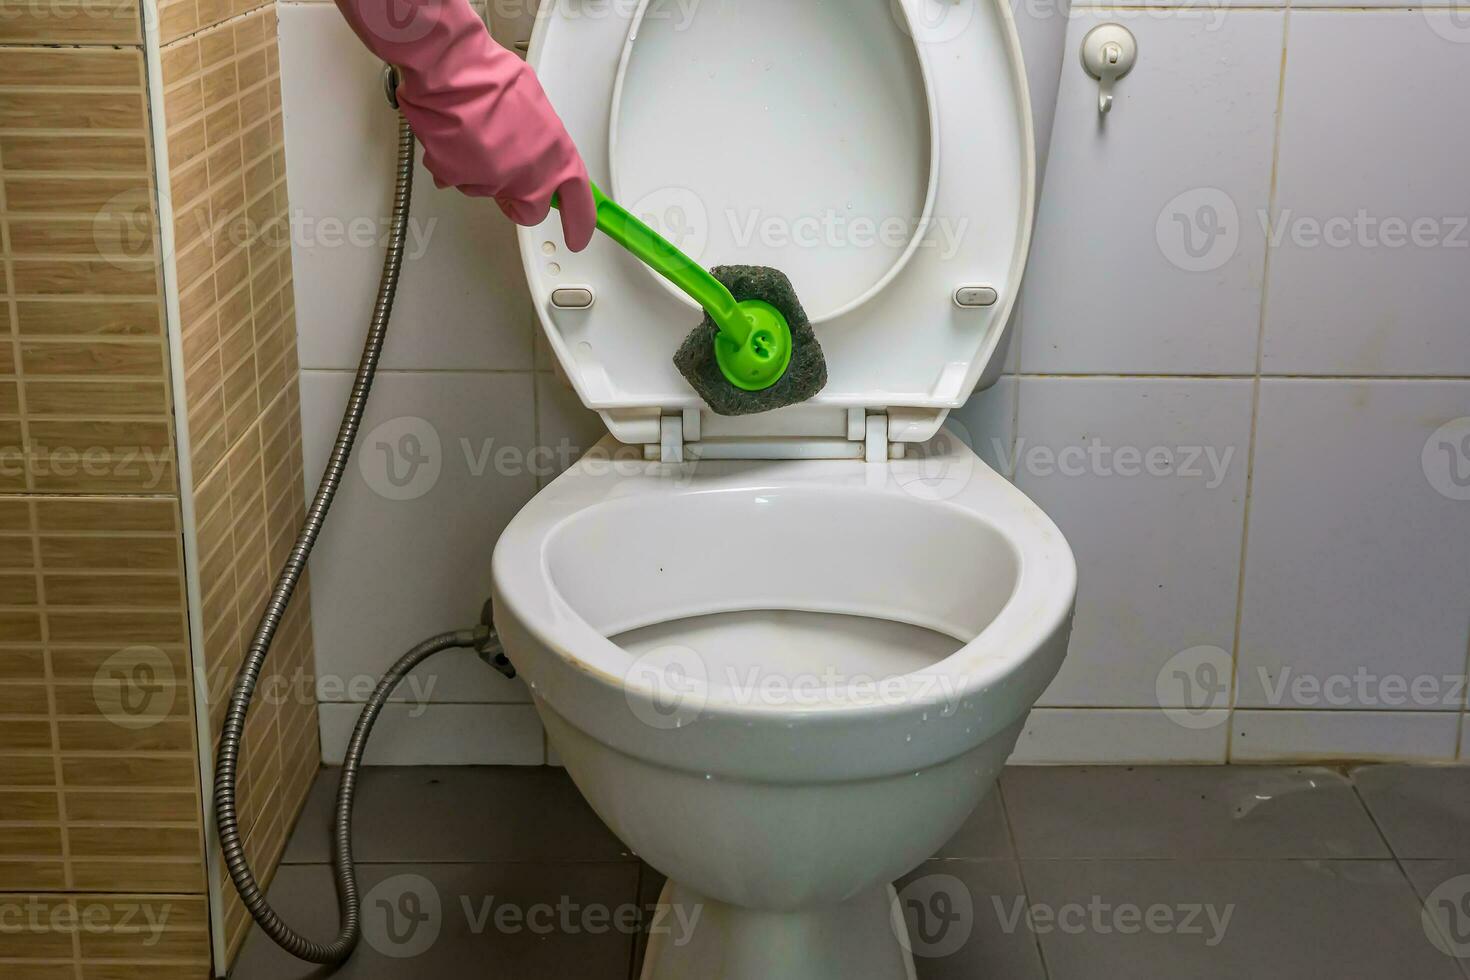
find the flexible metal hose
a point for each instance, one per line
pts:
(227, 761)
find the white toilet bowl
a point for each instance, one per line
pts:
(786, 684)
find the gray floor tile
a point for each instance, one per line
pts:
(488, 921)
(464, 814)
(985, 836)
(1424, 811)
(966, 920)
(1444, 886)
(1187, 812)
(1223, 920)
(650, 884)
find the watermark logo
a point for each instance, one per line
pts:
(41, 915)
(666, 688)
(1096, 458)
(122, 229)
(1194, 685)
(134, 688)
(400, 21)
(1362, 688)
(934, 915)
(1364, 230)
(401, 459)
(932, 21)
(679, 215)
(1199, 230)
(1446, 459)
(1451, 23)
(939, 468)
(1446, 917)
(402, 916)
(680, 13)
(1098, 916)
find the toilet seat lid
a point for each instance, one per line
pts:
(876, 151)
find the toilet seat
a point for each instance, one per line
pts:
(907, 330)
(966, 555)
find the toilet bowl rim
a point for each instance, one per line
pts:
(1040, 604)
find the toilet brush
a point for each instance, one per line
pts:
(755, 350)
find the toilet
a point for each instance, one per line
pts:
(785, 655)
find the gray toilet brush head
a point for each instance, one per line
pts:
(805, 375)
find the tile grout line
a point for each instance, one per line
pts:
(1005, 809)
(1399, 863)
(1232, 692)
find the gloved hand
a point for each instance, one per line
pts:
(481, 115)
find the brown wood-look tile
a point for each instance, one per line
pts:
(141, 626)
(110, 153)
(106, 736)
(70, 22)
(93, 359)
(108, 318)
(25, 736)
(96, 277)
(133, 806)
(116, 842)
(124, 234)
(27, 770)
(94, 67)
(96, 109)
(133, 876)
(94, 515)
(176, 19)
(22, 665)
(20, 626)
(79, 664)
(136, 591)
(17, 590)
(32, 875)
(180, 60)
(84, 195)
(16, 552)
(22, 699)
(81, 771)
(89, 399)
(111, 553)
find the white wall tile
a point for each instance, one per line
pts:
(1111, 287)
(1358, 5)
(439, 735)
(987, 424)
(462, 303)
(564, 426)
(1358, 555)
(1157, 555)
(1268, 736)
(1084, 736)
(389, 572)
(1371, 233)
(1042, 28)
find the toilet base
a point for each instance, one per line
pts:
(857, 940)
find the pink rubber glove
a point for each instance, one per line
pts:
(483, 118)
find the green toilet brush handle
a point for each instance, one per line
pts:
(660, 255)
(753, 347)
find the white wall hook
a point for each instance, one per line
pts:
(1109, 52)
